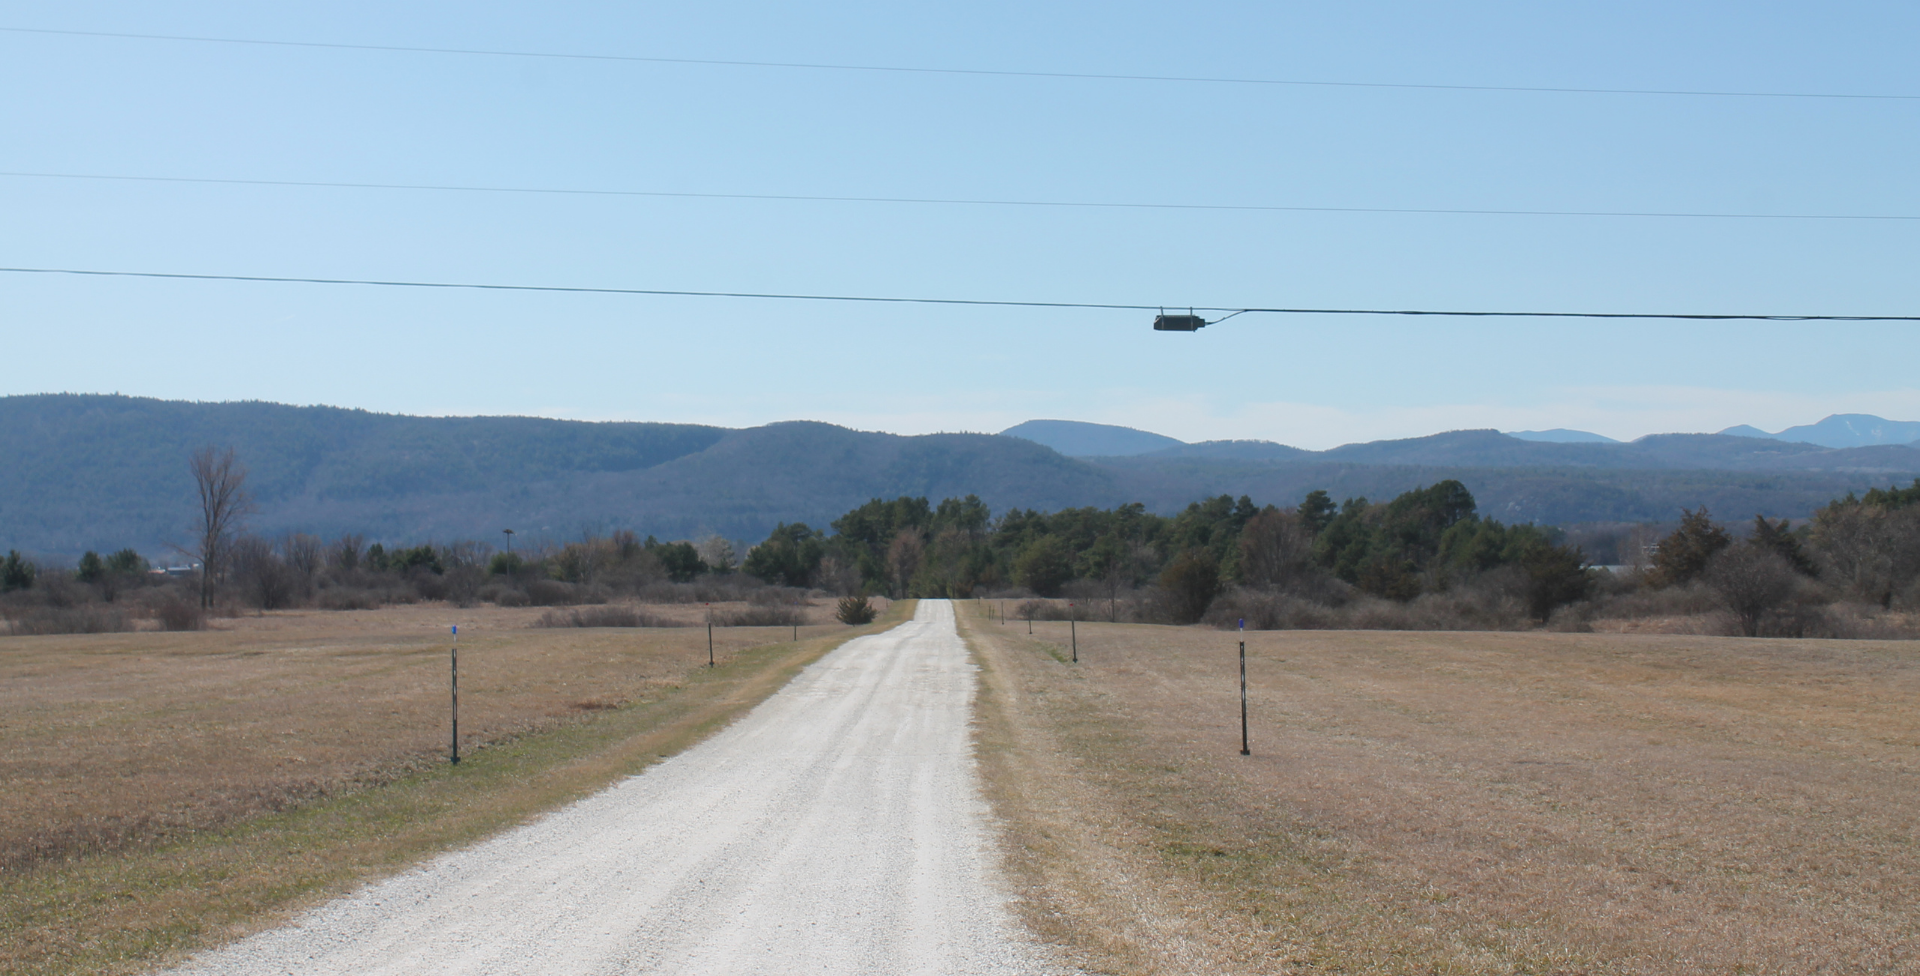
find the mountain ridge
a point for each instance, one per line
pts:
(102, 472)
(1078, 438)
(1840, 430)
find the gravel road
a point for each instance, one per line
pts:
(837, 828)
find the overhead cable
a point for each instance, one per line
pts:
(961, 201)
(277, 279)
(981, 72)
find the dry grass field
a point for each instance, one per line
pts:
(164, 790)
(1460, 802)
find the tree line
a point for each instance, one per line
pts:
(1227, 559)
(1422, 541)
(1318, 563)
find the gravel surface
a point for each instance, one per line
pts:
(837, 828)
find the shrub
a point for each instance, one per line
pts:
(427, 583)
(60, 590)
(73, 620)
(503, 596)
(777, 596)
(1045, 610)
(604, 616)
(666, 593)
(179, 613)
(1190, 581)
(855, 610)
(551, 593)
(1493, 601)
(762, 617)
(348, 598)
(1266, 610)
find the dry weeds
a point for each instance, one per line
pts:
(167, 790)
(1473, 803)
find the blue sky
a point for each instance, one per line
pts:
(89, 105)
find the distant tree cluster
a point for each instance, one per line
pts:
(230, 569)
(1859, 551)
(1173, 568)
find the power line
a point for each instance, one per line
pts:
(979, 72)
(962, 201)
(275, 279)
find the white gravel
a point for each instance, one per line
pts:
(838, 828)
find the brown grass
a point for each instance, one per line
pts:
(1471, 803)
(171, 790)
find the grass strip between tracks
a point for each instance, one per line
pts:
(136, 909)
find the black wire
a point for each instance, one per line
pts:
(565, 288)
(1192, 79)
(668, 194)
(956, 301)
(1583, 315)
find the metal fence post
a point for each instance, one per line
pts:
(1244, 750)
(456, 694)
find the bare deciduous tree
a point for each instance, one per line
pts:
(264, 580)
(717, 553)
(838, 576)
(1276, 550)
(303, 553)
(903, 559)
(346, 552)
(1751, 582)
(1871, 550)
(224, 502)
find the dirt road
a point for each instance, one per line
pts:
(838, 828)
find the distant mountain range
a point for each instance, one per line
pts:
(1841, 430)
(1561, 435)
(102, 472)
(1078, 439)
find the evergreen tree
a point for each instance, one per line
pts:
(1777, 538)
(127, 562)
(1683, 555)
(16, 573)
(789, 557)
(1317, 510)
(1044, 566)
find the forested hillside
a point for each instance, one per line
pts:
(104, 472)
(80, 472)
